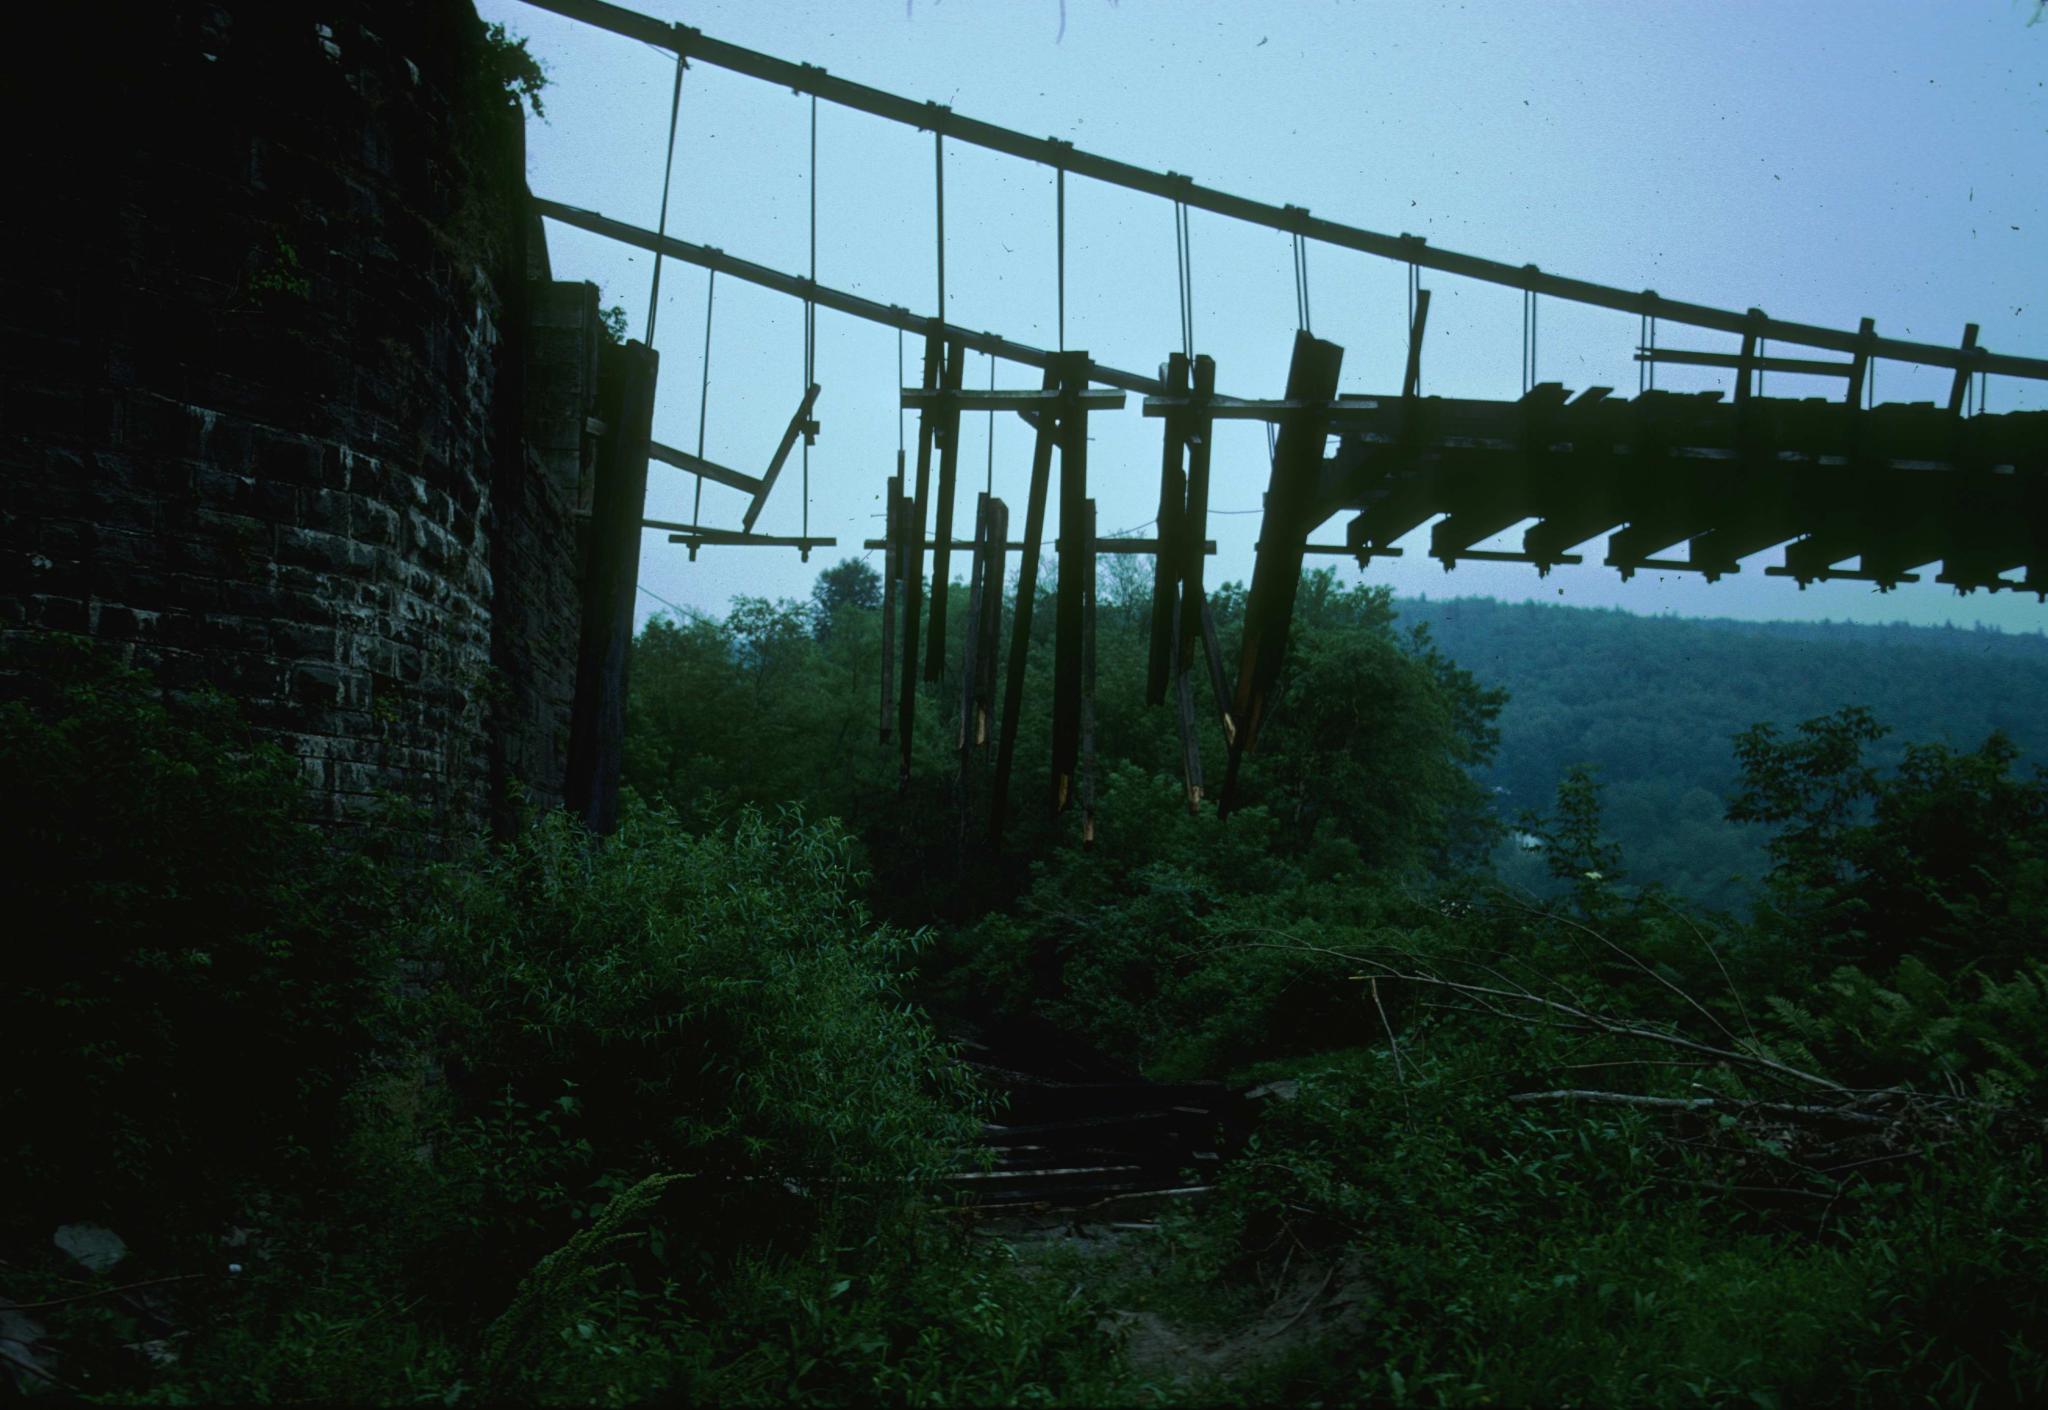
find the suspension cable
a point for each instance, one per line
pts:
(675, 107)
(939, 178)
(1183, 255)
(704, 394)
(1060, 237)
(1301, 306)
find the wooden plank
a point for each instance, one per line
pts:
(1068, 625)
(1804, 366)
(913, 567)
(1166, 563)
(1004, 399)
(1103, 546)
(718, 538)
(698, 465)
(1020, 630)
(1276, 573)
(947, 435)
(799, 424)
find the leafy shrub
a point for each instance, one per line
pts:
(194, 979)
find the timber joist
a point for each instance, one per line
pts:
(1689, 483)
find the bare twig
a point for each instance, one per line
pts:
(34, 1370)
(104, 1292)
(1479, 993)
(1392, 1042)
(1733, 992)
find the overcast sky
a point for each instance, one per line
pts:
(1826, 160)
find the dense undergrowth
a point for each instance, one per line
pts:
(559, 1121)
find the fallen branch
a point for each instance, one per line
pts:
(1789, 1110)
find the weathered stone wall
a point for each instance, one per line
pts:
(261, 387)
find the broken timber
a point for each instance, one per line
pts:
(1020, 631)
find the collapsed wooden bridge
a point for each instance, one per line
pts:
(1682, 482)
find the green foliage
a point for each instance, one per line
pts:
(1652, 703)
(196, 976)
(512, 69)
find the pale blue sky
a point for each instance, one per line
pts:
(1825, 160)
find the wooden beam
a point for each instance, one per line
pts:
(698, 465)
(1201, 437)
(913, 567)
(597, 721)
(1959, 388)
(799, 424)
(1094, 398)
(1804, 366)
(1276, 574)
(696, 538)
(892, 576)
(1166, 563)
(1069, 624)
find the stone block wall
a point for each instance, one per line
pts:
(262, 361)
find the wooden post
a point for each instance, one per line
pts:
(892, 580)
(1074, 547)
(948, 437)
(1020, 630)
(611, 579)
(1195, 520)
(988, 627)
(971, 637)
(1283, 534)
(1166, 564)
(913, 566)
(1184, 713)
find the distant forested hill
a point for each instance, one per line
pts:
(1653, 703)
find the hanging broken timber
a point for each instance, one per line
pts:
(698, 465)
(1693, 483)
(1194, 525)
(1020, 629)
(1292, 512)
(1184, 714)
(1166, 564)
(892, 589)
(911, 555)
(967, 737)
(1074, 551)
(985, 630)
(800, 424)
(945, 419)
(1087, 564)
